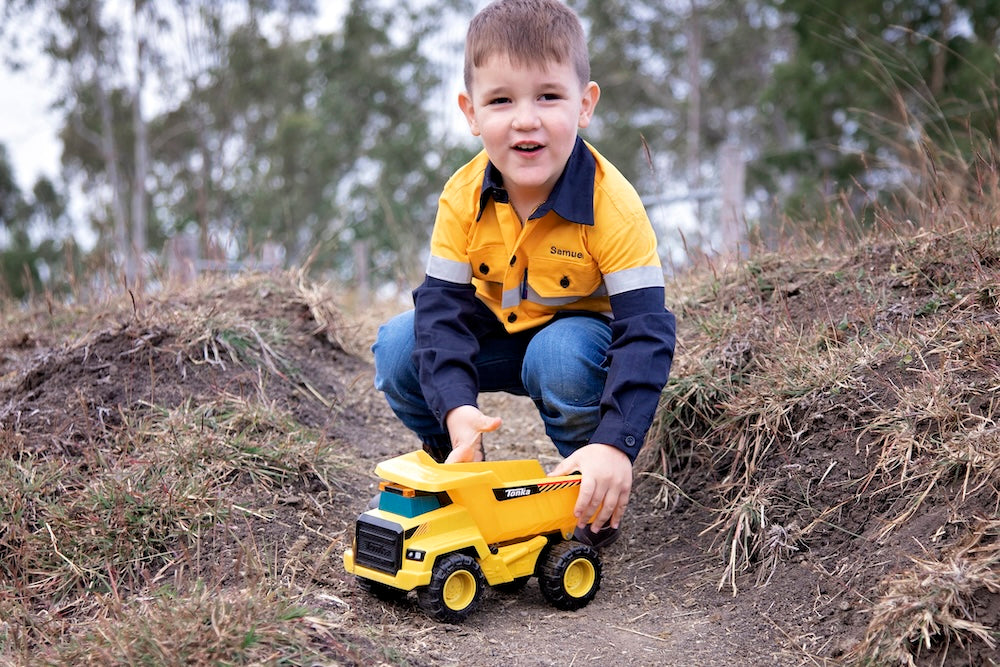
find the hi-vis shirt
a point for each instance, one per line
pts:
(589, 248)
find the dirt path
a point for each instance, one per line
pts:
(659, 602)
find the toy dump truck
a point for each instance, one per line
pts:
(447, 530)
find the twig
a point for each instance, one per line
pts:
(641, 634)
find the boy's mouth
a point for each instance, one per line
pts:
(528, 147)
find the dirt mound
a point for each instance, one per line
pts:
(821, 486)
(843, 411)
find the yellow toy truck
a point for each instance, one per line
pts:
(447, 530)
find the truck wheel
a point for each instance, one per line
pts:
(453, 593)
(381, 591)
(570, 575)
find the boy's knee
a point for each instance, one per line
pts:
(569, 379)
(564, 367)
(393, 349)
(396, 331)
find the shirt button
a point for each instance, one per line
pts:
(564, 282)
(512, 318)
(629, 441)
(484, 269)
(513, 260)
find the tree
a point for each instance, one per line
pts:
(876, 88)
(312, 143)
(107, 144)
(31, 246)
(681, 86)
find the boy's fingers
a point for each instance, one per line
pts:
(607, 510)
(565, 467)
(583, 509)
(466, 453)
(487, 424)
(616, 517)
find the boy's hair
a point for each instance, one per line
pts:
(529, 33)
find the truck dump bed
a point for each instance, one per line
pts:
(508, 500)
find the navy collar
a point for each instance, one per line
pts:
(572, 198)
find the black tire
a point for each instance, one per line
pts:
(455, 589)
(570, 575)
(381, 591)
(512, 587)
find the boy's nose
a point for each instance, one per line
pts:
(525, 117)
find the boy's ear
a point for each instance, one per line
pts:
(591, 93)
(469, 109)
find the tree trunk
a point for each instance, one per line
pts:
(694, 103)
(139, 210)
(109, 150)
(733, 172)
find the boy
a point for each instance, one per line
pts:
(543, 278)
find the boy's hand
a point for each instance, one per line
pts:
(606, 484)
(466, 425)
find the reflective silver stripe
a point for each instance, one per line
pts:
(511, 298)
(631, 279)
(449, 269)
(534, 297)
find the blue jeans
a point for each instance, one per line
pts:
(561, 366)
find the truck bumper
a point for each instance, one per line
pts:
(405, 579)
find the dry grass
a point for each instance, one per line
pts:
(203, 626)
(134, 536)
(132, 514)
(837, 398)
(751, 540)
(932, 604)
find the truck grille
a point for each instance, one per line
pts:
(380, 544)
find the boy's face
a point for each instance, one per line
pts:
(527, 118)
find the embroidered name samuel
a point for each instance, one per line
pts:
(565, 253)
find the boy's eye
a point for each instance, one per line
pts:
(499, 100)
(550, 96)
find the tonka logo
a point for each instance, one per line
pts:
(514, 492)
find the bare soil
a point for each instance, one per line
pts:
(663, 600)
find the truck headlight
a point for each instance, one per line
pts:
(415, 554)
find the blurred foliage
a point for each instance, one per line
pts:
(879, 92)
(266, 130)
(36, 247)
(641, 55)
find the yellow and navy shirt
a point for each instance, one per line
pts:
(588, 249)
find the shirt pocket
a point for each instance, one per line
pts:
(489, 262)
(555, 277)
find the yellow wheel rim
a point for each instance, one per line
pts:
(459, 590)
(579, 577)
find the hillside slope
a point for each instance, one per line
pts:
(179, 475)
(840, 414)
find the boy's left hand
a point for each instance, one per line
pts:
(606, 484)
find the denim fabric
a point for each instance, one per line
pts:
(561, 366)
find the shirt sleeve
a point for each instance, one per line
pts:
(643, 331)
(445, 344)
(447, 310)
(643, 335)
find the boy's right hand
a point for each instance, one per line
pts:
(466, 425)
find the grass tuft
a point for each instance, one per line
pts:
(931, 605)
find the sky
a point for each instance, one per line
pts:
(27, 126)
